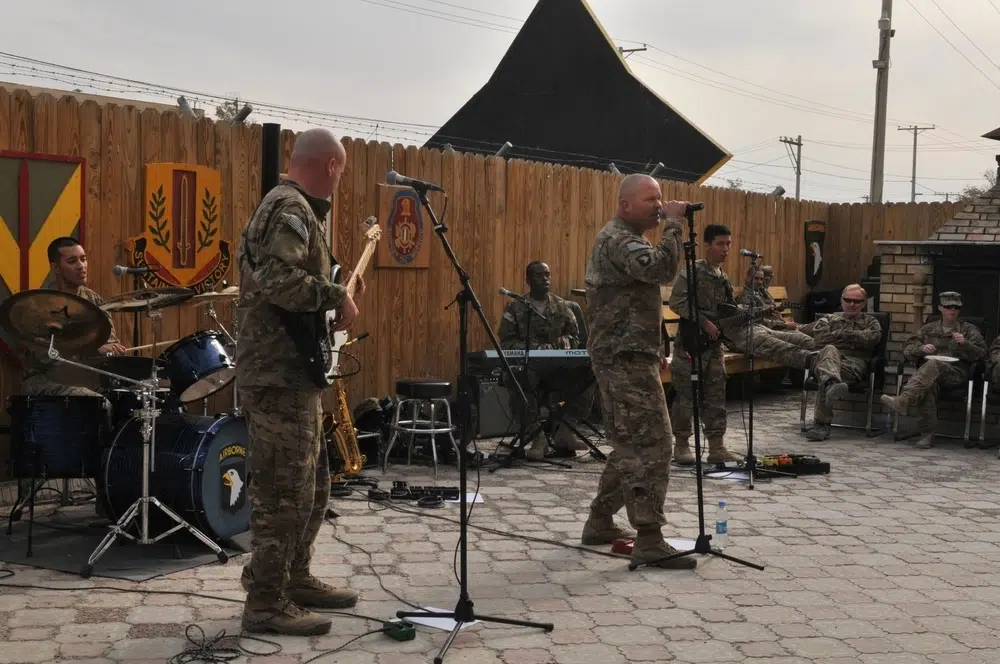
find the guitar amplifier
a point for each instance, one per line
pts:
(495, 418)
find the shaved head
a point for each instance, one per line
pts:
(639, 201)
(317, 162)
(317, 145)
(633, 183)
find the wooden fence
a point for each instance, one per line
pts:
(500, 215)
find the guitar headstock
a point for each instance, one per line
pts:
(372, 230)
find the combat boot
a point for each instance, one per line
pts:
(683, 454)
(719, 453)
(896, 404)
(926, 441)
(650, 548)
(282, 616)
(835, 389)
(601, 529)
(310, 591)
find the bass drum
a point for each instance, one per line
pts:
(200, 472)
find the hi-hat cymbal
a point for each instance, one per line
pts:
(147, 298)
(33, 316)
(231, 293)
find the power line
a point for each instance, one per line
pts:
(967, 37)
(957, 50)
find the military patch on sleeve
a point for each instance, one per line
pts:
(635, 245)
(509, 316)
(296, 225)
(644, 259)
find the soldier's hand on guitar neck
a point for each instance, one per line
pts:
(359, 285)
(711, 330)
(347, 312)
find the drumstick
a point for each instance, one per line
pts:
(148, 346)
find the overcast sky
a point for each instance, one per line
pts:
(418, 61)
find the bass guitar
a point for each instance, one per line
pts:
(730, 321)
(316, 338)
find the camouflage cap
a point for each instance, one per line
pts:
(950, 298)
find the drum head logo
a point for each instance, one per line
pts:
(181, 241)
(233, 471)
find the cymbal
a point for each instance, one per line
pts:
(231, 293)
(151, 298)
(33, 316)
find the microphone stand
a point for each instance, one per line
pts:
(464, 612)
(750, 463)
(703, 542)
(136, 283)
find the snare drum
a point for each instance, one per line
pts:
(201, 472)
(57, 437)
(197, 366)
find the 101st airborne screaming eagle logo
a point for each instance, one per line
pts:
(180, 242)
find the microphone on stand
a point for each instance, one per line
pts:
(510, 293)
(751, 254)
(396, 180)
(121, 270)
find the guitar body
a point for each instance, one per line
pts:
(313, 333)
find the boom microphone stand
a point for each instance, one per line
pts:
(464, 612)
(703, 543)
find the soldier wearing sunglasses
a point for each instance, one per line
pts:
(846, 339)
(948, 337)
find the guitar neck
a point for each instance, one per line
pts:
(366, 256)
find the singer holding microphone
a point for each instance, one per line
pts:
(43, 376)
(623, 279)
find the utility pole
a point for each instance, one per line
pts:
(881, 100)
(625, 52)
(913, 178)
(796, 160)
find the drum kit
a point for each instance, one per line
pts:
(149, 451)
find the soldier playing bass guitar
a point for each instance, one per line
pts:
(719, 320)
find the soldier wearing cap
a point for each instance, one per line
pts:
(948, 337)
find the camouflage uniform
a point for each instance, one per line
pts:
(623, 279)
(994, 364)
(43, 376)
(558, 329)
(923, 387)
(714, 289)
(761, 299)
(285, 266)
(846, 348)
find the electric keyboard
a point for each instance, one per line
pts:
(488, 359)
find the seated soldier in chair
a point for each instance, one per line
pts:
(557, 331)
(949, 337)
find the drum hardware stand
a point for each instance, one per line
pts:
(703, 544)
(464, 612)
(214, 316)
(148, 413)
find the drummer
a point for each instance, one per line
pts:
(957, 343)
(43, 376)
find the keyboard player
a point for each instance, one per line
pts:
(558, 330)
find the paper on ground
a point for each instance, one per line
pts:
(445, 624)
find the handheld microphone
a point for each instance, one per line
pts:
(395, 179)
(121, 270)
(751, 254)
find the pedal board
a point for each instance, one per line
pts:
(798, 464)
(402, 491)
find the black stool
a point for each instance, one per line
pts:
(419, 392)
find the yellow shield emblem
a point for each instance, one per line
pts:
(181, 242)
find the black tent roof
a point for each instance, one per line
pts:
(564, 94)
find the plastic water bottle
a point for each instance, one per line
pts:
(721, 539)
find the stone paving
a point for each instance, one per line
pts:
(890, 558)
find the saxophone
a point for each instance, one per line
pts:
(345, 436)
